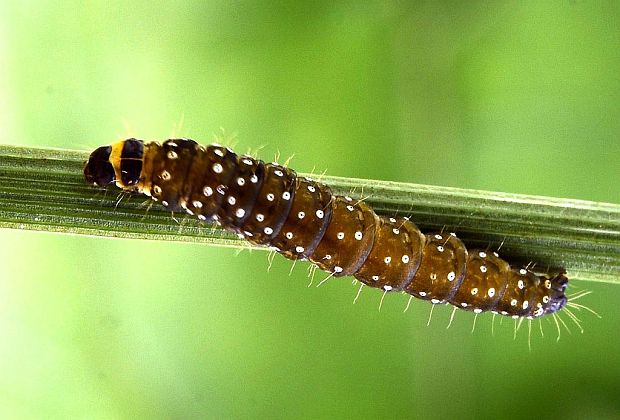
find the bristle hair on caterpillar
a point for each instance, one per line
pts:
(271, 205)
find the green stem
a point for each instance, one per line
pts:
(43, 189)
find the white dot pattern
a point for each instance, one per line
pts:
(296, 216)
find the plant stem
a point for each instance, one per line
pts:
(44, 190)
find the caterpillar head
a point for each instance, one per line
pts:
(119, 163)
(99, 169)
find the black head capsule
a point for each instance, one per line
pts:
(120, 163)
(99, 169)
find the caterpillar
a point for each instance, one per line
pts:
(269, 204)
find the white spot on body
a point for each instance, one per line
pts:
(232, 200)
(165, 175)
(340, 235)
(545, 299)
(477, 310)
(320, 214)
(260, 217)
(240, 182)
(525, 304)
(301, 215)
(156, 189)
(240, 213)
(218, 152)
(278, 172)
(520, 284)
(217, 168)
(253, 179)
(513, 302)
(289, 235)
(395, 231)
(438, 237)
(172, 155)
(268, 230)
(405, 259)
(299, 249)
(375, 278)
(464, 305)
(422, 294)
(523, 271)
(440, 248)
(491, 292)
(474, 290)
(358, 235)
(207, 191)
(337, 269)
(197, 204)
(350, 208)
(387, 260)
(286, 195)
(270, 197)
(387, 288)
(482, 254)
(247, 161)
(483, 268)
(311, 188)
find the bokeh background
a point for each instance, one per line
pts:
(510, 96)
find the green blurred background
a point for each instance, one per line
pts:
(514, 96)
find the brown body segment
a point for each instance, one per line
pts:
(169, 170)
(272, 205)
(442, 270)
(306, 222)
(201, 182)
(395, 256)
(300, 218)
(241, 192)
(484, 283)
(202, 197)
(348, 239)
(521, 291)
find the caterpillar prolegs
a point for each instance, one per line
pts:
(269, 204)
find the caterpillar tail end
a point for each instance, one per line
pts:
(557, 298)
